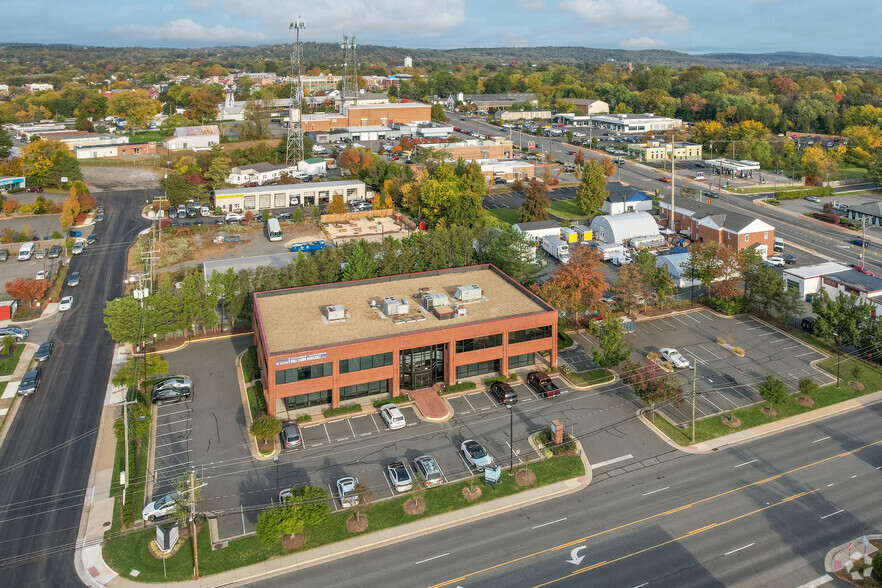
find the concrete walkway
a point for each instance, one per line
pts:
(431, 405)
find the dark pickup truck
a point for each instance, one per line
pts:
(542, 383)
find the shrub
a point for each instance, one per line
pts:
(668, 366)
(808, 387)
(629, 368)
(495, 379)
(265, 428)
(652, 356)
(563, 340)
(7, 346)
(721, 341)
(877, 567)
(547, 440)
(250, 370)
(459, 387)
(57, 235)
(25, 208)
(259, 398)
(80, 218)
(341, 410)
(395, 399)
(738, 351)
(304, 418)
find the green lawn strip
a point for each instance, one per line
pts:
(587, 378)
(566, 209)
(764, 189)
(851, 172)
(9, 363)
(129, 551)
(146, 136)
(252, 403)
(508, 216)
(250, 369)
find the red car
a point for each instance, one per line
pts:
(34, 189)
(571, 153)
(861, 269)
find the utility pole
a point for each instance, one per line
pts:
(673, 214)
(193, 523)
(863, 240)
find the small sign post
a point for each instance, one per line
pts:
(492, 474)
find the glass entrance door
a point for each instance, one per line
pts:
(421, 367)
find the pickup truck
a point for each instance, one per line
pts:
(542, 383)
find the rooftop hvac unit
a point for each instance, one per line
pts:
(430, 301)
(443, 312)
(336, 312)
(394, 307)
(467, 293)
(460, 310)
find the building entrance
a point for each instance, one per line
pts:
(421, 367)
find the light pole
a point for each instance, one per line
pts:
(276, 461)
(510, 438)
(838, 355)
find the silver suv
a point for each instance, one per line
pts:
(17, 332)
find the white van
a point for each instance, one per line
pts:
(26, 251)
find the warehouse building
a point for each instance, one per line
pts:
(333, 343)
(634, 123)
(266, 197)
(626, 228)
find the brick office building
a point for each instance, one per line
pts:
(703, 222)
(328, 344)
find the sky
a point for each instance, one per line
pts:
(843, 27)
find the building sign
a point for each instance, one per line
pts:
(492, 473)
(301, 359)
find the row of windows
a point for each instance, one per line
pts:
(356, 364)
(476, 369)
(304, 400)
(530, 334)
(308, 372)
(366, 389)
(479, 343)
(516, 361)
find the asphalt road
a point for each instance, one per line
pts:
(46, 457)
(762, 514)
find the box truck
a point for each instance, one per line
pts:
(556, 249)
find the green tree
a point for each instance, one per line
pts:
(358, 265)
(135, 106)
(218, 171)
(846, 316)
(773, 390)
(265, 428)
(438, 114)
(807, 388)
(305, 270)
(513, 253)
(176, 188)
(299, 216)
(536, 203)
(336, 206)
(613, 349)
(789, 305)
(766, 288)
(310, 505)
(139, 368)
(592, 189)
(874, 169)
(5, 145)
(257, 120)
(7, 345)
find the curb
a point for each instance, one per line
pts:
(828, 559)
(246, 408)
(186, 343)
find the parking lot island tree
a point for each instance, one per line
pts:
(265, 428)
(363, 503)
(303, 507)
(773, 391)
(613, 349)
(139, 368)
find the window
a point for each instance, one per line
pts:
(366, 389)
(476, 369)
(310, 399)
(308, 372)
(530, 334)
(479, 343)
(367, 362)
(766, 235)
(746, 238)
(516, 361)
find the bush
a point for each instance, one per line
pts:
(563, 340)
(730, 307)
(495, 379)
(57, 235)
(459, 387)
(341, 410)
(877, 567)
(395, 399)
(547, 440)
(304, 418)
(265, 428)
(80, 218)
(250, 369)
(738, 351)
(259, 398)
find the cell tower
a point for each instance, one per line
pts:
(294, 147)
(350, 72)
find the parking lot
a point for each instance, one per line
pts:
(351, 428)
(174, 432)
(724, 379)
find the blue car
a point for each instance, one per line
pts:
(860, 242)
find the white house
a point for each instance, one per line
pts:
(808, 279)
(619, 203)
(260, 173)
(201, 137)
(537, 230)
(313, 166)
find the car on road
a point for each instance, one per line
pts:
(346, 491)
(41, 275)
(812, 199)
(159, 508)
(399, 477)
(674, 356)
(65, 303)
(542, 384)
(176, 389)
(16, 332)
(571, 152)
(44, 351)
(475, 455)
(4, 254)
(775, 260)
(427, 471)
(290, 435)
(665, 179)
(91, 239)
(392, 416)
(788, 258)
(78, 248)
(860, 242)
(99, 217)
(504, 393)
(54, 252)
(30, 381)
(34, 189)
(861, 269)
(700, 164)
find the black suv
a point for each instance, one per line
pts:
(54, 252)
(504, 393)
(30, 381)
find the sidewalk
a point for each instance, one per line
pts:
(9, 387)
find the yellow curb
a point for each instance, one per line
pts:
(186, 343)
(246, 408)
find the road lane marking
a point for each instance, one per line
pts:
(642, 585)
(349, 421)
(549, 523)
(745, 463)
(820, 581)
(821, 439)
(739, 549)
(659, 490)
(833, 513)
(611, 461)
(416, 563)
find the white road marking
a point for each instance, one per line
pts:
(466, 398)
(809, 353)
(416, 563)
(833, 513)
(745, 463)
(820, 581)
(654, 491)
(517, 455)
(689, 316)
(375, 423)
(739, 549)
(549, 523)
(767, 334)
(821, 439)
(326, 432)
(791, 347)
(703, 348)
(642, 585)
(349, 422)
(611, 461)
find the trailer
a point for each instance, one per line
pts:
(556, 249)
(610, 251)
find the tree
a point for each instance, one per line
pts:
(176, 188)
(218, 171)
(7, 345)
(575, 288)
(513, 253)
(257, 120)
(202, 106)
(579, 159)
(773, 390)
(10, 206)
(807, 388)
(536, 203)
(629, 287)
(29, 290)
(874, 169)
(5, 145)
(789, 305)
(46, 161)
(652, 386)
(305, 507)
(336, 206)
(364, 500)
(438, 114)
(139, 368)
(135, 106)
(299, 216)
(265, 428)
(766, 289)
(609, 168)
(592, 189)
(613, 349)
(358, 265)
(846, 317)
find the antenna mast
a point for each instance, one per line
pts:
(350, 72)
(294, 146)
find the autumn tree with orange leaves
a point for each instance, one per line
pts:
(575, 288)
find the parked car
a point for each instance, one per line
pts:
(861, 269)
(812, 199)
(234, 217)
(674, 356)
(41, 275)
(65, 303)
(159, 508)
(775, 261)
(428, 471)
(99, 217)
(788, 258)
(36, 189)
(44, 351)
(392, 416)
(399, 477)
(808, 324)
(54, 252)
(346, 491)
(499, 181)
(176, 389)
(542, 384)
(30, 381)
(17, 332)
(475, 455)
(504, 393)
(78, 248)
(40, 254)
(91, 239)
(860, 242)
(290, 435)
(4, 254)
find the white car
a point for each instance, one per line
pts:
(475, 455)
(812, 199)
(399, 477)
(65, 303)
(392, 416)
(41, 275)
(159, 508)
(234, 217)
(674, 356)
(775, 261)
(346, 491)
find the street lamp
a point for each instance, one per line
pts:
(276, 461)
(510, 438)
(838, 355)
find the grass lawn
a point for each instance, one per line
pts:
(595, 376)
(127, 552)
(250, 371)
(768, 188)
(137, 478)
(752, 416)
(8, 362)
(850, 172)
(149, 136)
(566, 209)
(505, 216)
(252, 403)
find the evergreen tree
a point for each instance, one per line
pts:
(358, 265)
(305, 270)
(513, 253)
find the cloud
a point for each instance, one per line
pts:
(531, 5)
(628, 14)
(641, 43)
(186, 31)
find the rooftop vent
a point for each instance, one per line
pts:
(468, 293)
(430, 301)
(336, 312)
(394, 307)
(443, 312)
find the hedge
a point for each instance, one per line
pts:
(794, 194)
(381, 401)
(341, 410)
(459, 387)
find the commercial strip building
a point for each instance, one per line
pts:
(514, 115)
(8, 183)
(333, 343)
(473, 149)
(266, 197)
(743, 168)
(659, 151)
(867, 288)
(485, 101)
(507, 169)
(368, 115)
(808, 279)
(588, 106)
(200, 137)
(115, 150)
(704, 222)
(634, 123)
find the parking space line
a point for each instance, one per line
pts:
(809, 353)
(349, 422)
(767, 334)
(758, 327)
(326, 432)
(714, 405)
(187, 440)
(679, 321)
(167, 414)
(466, 398)
(516, 453)
(703, 348)
(376, 426)
(187, 430)
(689, 316)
